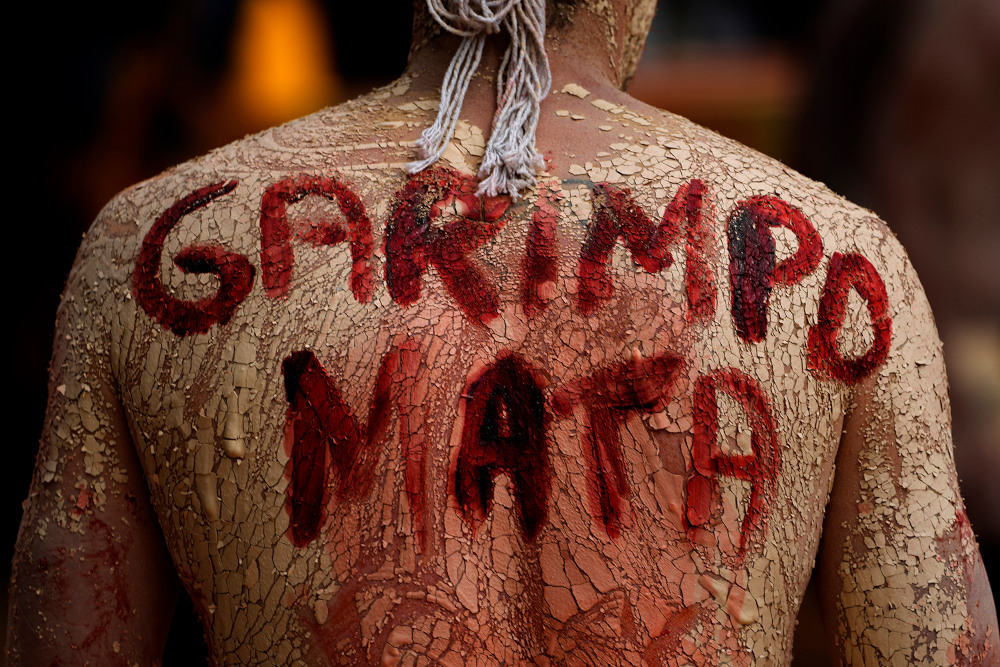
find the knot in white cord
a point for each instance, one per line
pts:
(510, 162)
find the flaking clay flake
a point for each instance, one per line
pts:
(576, 90)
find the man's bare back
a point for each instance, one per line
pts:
(385, 421)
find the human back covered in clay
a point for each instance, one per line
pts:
(370, 417)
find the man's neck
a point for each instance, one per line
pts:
(578, 53)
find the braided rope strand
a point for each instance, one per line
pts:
(510, 162)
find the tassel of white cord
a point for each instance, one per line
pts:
(510, 162)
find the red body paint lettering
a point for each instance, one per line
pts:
(413, 241)
(541, 256)
(825, 359)
(616, 215)
(310, 393)
(321, 427)
(276, 255)
(752, 270)
(609, 395)
(761, 467)
(504, 431)
(235, 272)
(690, 205)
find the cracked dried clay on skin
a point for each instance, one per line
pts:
(383, 421)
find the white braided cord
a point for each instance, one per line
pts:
(510, 162)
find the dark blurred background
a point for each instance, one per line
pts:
(894, 104)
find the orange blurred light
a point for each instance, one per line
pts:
(281, 61)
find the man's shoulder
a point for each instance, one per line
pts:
(357, 142)
(744, 181)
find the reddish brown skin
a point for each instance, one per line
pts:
(617, 215)
(505, 431)
(981, 649)
(752, 269)
(667, 643)
(975, 647)
(340, 635)
(413, 241)
(413, 442)
(276, 255)
(125, 604)
(630, 630)
(235, 272)
(609, 395)
(761, 468)
(847, 271)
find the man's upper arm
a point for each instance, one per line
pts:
(900, 577)
(92, 579)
